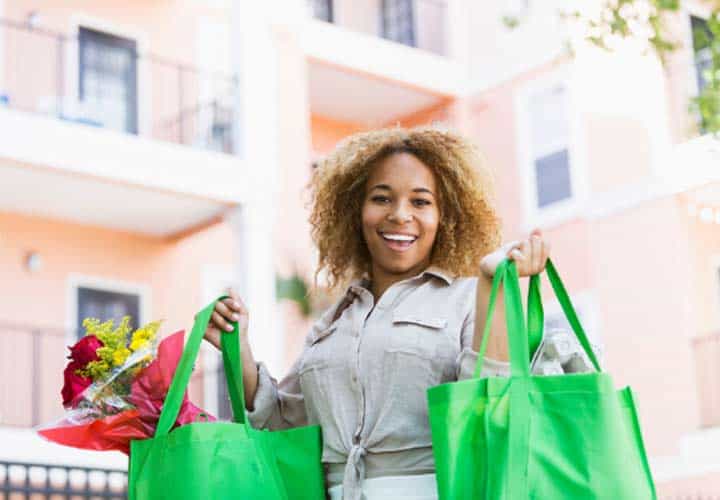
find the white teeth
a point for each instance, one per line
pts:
(399, 237)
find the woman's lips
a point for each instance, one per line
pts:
(397, 245)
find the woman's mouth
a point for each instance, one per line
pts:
(397, 241)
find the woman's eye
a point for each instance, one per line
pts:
(380, 199)
(420, 202)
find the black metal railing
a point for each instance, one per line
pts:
(46, 72)
(415, 23)
(47, 481)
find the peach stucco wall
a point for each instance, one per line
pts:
(326, 133)
(636, 263)
(171, 270)
(169, 28)
(642, 269)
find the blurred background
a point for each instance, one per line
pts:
(155, 152)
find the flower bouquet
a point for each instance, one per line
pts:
(115, 385)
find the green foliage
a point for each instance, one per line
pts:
(511, 22)
(707, 103)
(630, 18)
(294, 288)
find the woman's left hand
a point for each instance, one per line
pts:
(530, 256)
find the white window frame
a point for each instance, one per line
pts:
(562, 211)
(144, 73)
(76, 281)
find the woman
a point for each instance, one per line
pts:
(402, 215)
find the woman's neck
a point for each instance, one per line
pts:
(381, 279)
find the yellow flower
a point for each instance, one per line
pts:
(138, 343)
(120, 355)
(97, 370)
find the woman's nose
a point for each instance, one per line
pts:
(399, 215)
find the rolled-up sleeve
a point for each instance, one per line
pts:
(467, 359)
(278, 405)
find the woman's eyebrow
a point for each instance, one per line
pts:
(416, 190)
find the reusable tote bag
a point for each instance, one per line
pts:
(223, 460)
(560, 437)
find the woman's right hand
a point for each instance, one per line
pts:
(226, 312)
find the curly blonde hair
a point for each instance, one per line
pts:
(469, 225)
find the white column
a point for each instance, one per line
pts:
(254, 54)
(457, 32)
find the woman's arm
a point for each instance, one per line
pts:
(270, 405)
(530, 257)
(497, 347)
(226, 311)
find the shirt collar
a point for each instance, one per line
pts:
(435, 271)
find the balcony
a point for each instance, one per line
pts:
(91, 121)
(354, 50)
(34, 358)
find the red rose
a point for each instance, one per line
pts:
(85, 350)
(74, 384)
(81, 354)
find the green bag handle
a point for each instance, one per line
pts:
(519, 347)
(535, 315)
(230, 343)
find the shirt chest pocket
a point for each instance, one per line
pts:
(424, 336)
(418, 355)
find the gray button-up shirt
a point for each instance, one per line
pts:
(364, 376)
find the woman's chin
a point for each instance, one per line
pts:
(400, 267)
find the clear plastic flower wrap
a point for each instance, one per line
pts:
(114, 387)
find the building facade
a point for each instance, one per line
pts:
(148, 165)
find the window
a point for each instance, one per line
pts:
(108, 79)
(701, 36)
(398, 22)
(549, 144)
(322, 10)
(105, 305)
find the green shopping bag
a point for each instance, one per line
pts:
(223, 460)
(561, 437)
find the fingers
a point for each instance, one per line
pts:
(535, 253)
(521, 252)
(545, 253)
(221, 323)
(530, 255)
(235, 302)
(227, 311)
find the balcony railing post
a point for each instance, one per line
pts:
(176, 123)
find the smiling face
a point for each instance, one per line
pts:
(400, 217)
